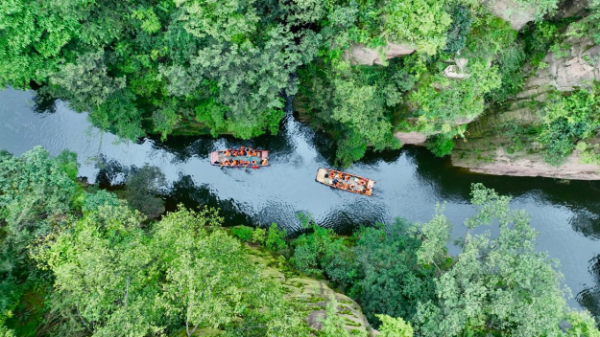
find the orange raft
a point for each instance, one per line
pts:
(345, 181)
(242, 157)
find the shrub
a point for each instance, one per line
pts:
(258, 236)
(441, 145)
(567, 120)
(276, 239)
(244, 233)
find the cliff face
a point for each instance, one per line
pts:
(490, 151)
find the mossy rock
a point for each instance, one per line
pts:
(307, 294)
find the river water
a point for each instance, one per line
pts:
(410, 182)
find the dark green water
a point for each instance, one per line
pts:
(409, 183)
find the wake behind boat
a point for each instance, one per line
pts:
(242, 157)
(345, 181)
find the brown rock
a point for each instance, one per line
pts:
(578, 68)
(360, 54)
(411, 138)
(517, 14)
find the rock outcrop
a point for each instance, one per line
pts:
(495, 156)
(515, 13)
(411, 138)
(577, 67)
(312, 295)
(360, 54)
(489, 151)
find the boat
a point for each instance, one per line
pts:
(345, 181)
(232, 158)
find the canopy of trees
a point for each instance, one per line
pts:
(169, 67)
(495, 286)
(84, 263)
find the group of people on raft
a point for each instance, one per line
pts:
(243, 157)
(344, 181)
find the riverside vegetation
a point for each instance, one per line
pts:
(191, 66)
(79, 261)
(82, 262)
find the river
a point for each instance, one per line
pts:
(410, 182)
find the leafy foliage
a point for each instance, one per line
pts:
(458, 30)
(567, 120)
(498, 286)
(381, 271)
(357, 104)
(419, 22)
(244, 233)
(276, 239)
(394, 327)
(148, 66)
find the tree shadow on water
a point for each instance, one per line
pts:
(185, 191)
(589, 298)
(43, 103)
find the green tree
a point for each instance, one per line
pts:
(207, 277)
(393, 280)
(498, 286)
(36, 193)
(314, 253)
(106, 278)
(276, 239)
(394, 327)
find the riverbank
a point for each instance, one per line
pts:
(410, 181)
(499, 159)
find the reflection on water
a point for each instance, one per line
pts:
(589, 297)
(410, 182)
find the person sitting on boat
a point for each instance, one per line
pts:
(242, 152)
(369, 191)
(225, 162)
(234, 162)
(264, 162)
(347, 178)
(227, 153)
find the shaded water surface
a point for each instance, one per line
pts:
(409, 183)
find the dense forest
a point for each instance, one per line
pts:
(80, 261)
(76, 260)
(226, 67)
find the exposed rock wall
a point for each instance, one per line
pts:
(578, 68)
(360, 54)
(511, 11)
(492, 153)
